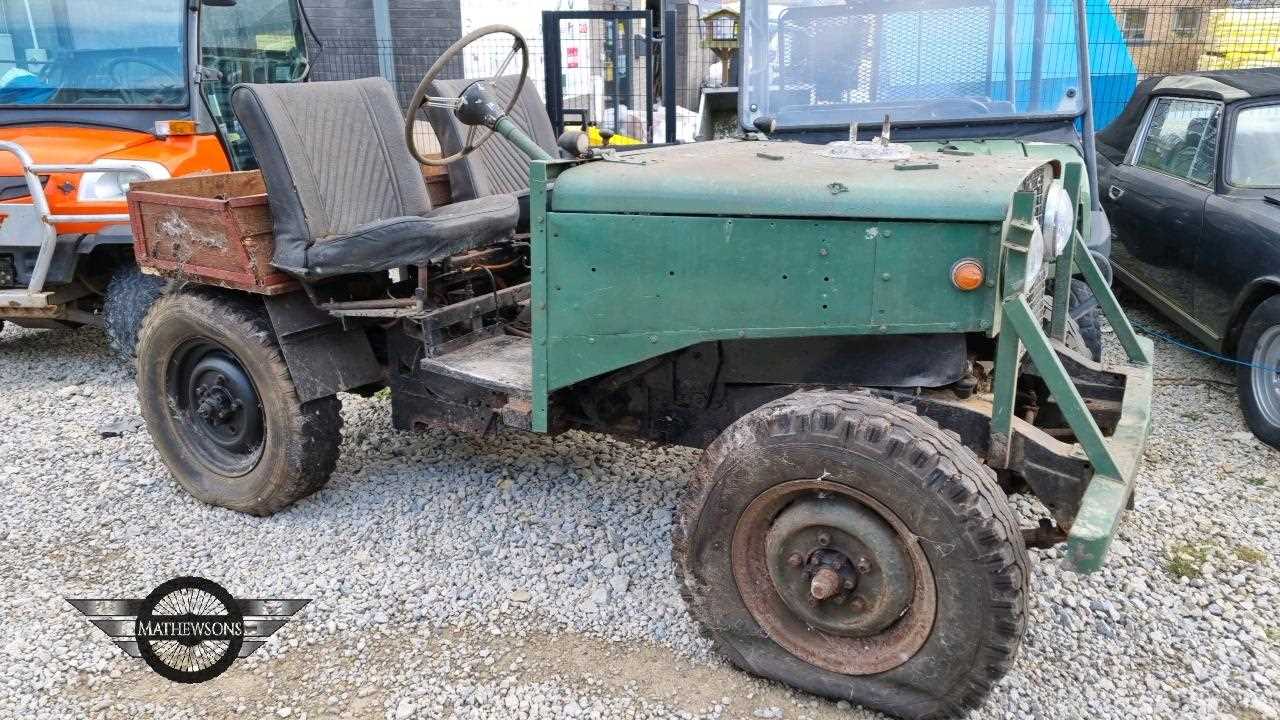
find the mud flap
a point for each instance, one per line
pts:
(323, 357)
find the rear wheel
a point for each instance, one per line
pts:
(849, 547)
(1259, 382)
(222, 409)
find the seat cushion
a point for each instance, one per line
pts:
(414, 239)
(333, 159)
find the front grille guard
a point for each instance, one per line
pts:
(32, 171)
(1115, 460)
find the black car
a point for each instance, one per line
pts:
(1190, 178)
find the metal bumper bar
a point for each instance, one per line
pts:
(33, 295)
(1115, 459)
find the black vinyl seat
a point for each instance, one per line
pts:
(346, 196)
(497, 167)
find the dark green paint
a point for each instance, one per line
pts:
(738, 178)
(624, 288)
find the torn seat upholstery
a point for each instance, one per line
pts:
(345, 194)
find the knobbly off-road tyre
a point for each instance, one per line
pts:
(905, 470)
(1259, 388)
(257, 449)
(130, 293)
(1088, 316)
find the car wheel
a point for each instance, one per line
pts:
(222, 409)
(847, 546)
(1259, 382)
(130, 293)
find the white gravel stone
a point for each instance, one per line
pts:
(425, 553)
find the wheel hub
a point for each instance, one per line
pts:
(224, 400)
(218, 405)
(833, 576)
(853, 578)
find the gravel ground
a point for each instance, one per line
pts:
(520, 576)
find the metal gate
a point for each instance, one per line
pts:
(599, 70)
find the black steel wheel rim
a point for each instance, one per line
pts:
(216, 407)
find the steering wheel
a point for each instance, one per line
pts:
(114, 65)
(477, 135)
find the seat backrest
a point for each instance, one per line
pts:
(333, 157)
(498, 167)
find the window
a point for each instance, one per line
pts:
(87, 52)
(251, 42)
(1133, 23)
(1255, 148)
(1181, 139)
(1186, 22)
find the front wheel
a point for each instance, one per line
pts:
(849, 547)
(221, 407)
(1259, 379)
(130, 293)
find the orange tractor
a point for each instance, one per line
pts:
(95, 96)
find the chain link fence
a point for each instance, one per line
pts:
(1175, 36)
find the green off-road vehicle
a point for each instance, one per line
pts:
(857, 331)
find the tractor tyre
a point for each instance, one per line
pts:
(847, 546)
(130, 293)
(1259, 380)
(222, 409)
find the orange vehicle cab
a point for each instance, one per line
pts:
(96, 96)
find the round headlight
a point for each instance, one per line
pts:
(1035, 256)
(1059, 220)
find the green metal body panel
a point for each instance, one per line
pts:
(624, 288)
(741, 178)
(1064, 153)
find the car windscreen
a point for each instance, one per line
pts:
(89, 52)
(1255, 148)
(822, 63)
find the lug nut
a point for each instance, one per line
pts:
(795, 560)
(824, 539)
(863, 565)
(857, 604)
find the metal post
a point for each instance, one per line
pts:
(386, 45)
(648, 76)
(1010, 83)
(669, 20)
(1086, 96)
(1037, 55)
(551, 68)
(611, 88)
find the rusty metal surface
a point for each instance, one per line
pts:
(852, 652)
(215, 229)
